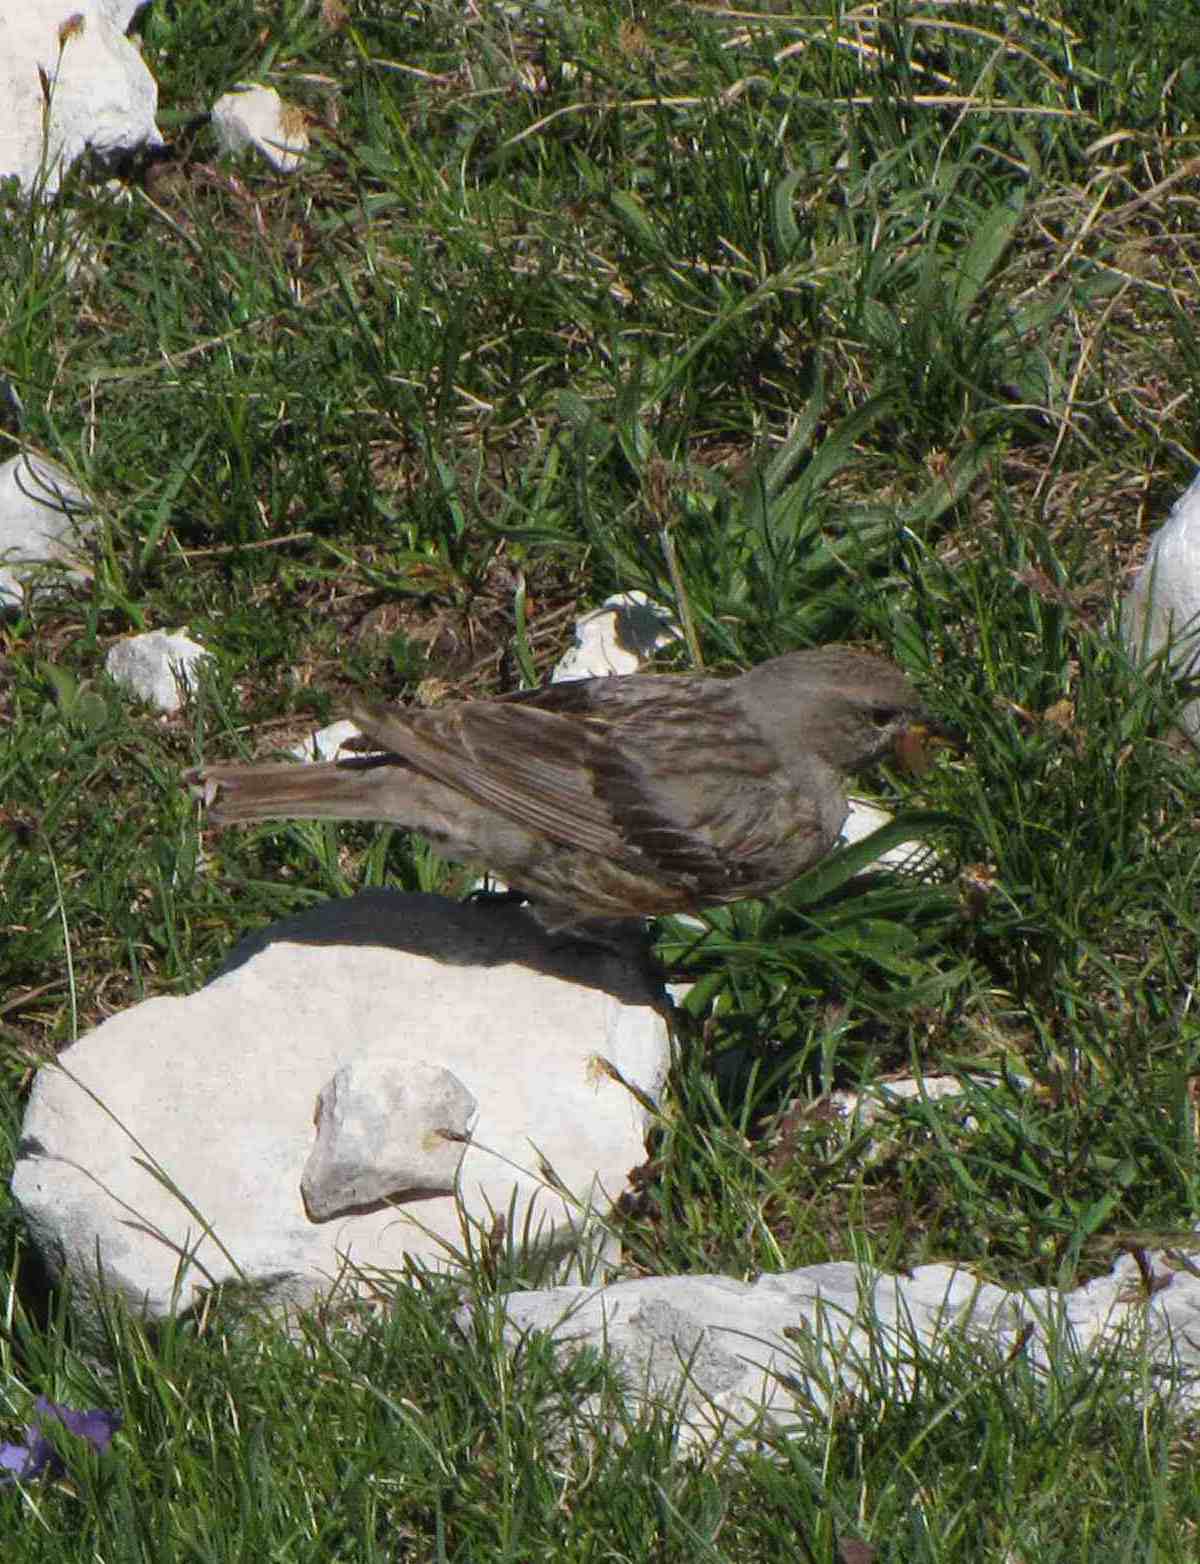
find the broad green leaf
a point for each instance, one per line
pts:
(634, 218)
(991, 240)
(785, 231)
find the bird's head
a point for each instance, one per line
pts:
(845, 706)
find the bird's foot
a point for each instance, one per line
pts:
(485, 898)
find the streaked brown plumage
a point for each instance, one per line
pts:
(612, 798)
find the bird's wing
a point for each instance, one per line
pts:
(708, 802)
(531, 765)
(630, 768)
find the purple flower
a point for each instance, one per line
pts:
(37, 1456)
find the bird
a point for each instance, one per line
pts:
(615, 798)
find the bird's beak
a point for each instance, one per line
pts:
(917, 744)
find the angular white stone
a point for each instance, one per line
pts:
(253, 116)
(157, 667)
(44, 519)
(876, 1103)
(1163, 606)
(70, 82)
(388, 1125)
(731, 1355)
(170, 1142)
(326, 743)
(626, 630)
(863, 818)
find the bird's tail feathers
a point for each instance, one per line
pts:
(332, 790)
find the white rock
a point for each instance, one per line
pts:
(157, 667)
(170, 1143)
(99, 95)
(121, 12)
(1163, 606)
(617, 637)
(874, 1102)
(44, 519)
(877, 1103)
(326, 743)
(387, 1125)
(864, 818)
(730, 1355)
(253, 116)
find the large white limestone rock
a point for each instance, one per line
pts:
(170, 1144)
(1163, 606)
(44, 520)
(730, 1357)
(70, 83)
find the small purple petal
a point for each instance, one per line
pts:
(37, 1456)
(13, 1459)
(96, 1426)
(28, 1460)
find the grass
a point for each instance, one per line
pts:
(873, 324)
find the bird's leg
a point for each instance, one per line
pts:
(482, 897)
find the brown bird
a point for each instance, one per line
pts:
(615, 797)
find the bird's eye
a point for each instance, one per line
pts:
(884, 716)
